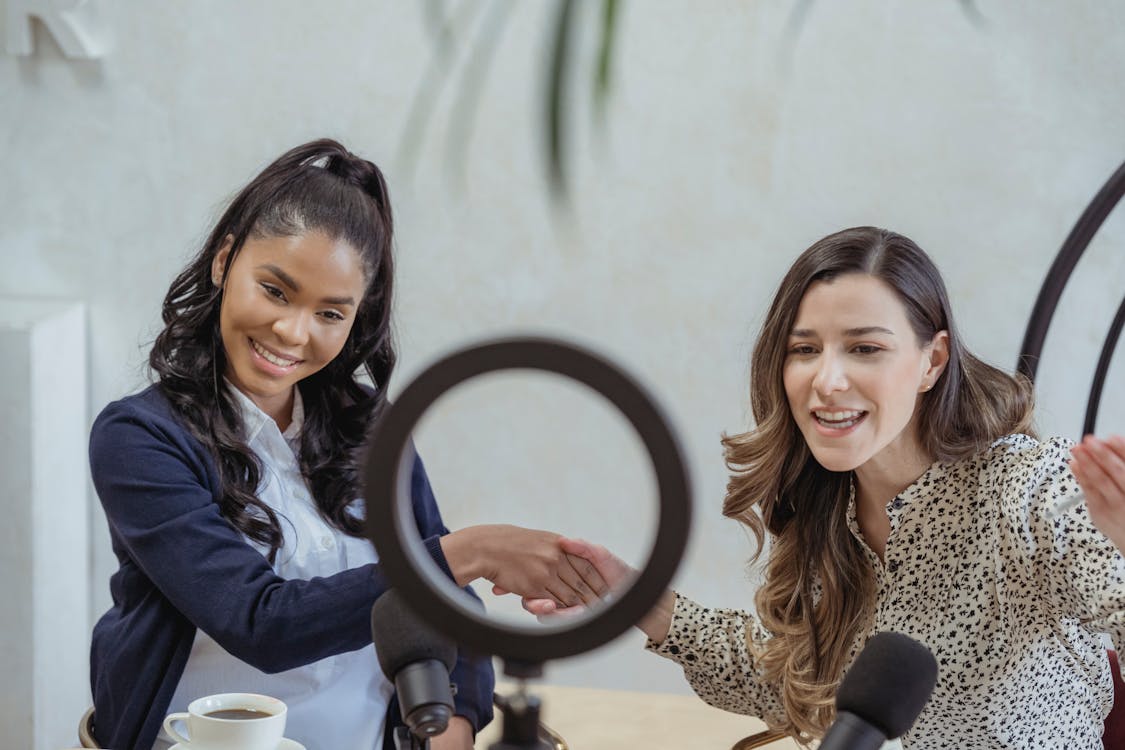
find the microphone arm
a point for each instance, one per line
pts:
(853, 733)
(406, 740)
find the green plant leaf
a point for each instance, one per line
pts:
(463, 114)
(556, 99)
(605, 56)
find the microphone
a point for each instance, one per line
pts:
(882, 694)
(418, 660)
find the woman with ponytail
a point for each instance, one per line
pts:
(231, 488)
(898, 484)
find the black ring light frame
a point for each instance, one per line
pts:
(1076, 243)
(390, 456)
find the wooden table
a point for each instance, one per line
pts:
(595, 719)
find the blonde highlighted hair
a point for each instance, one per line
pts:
(818, 589)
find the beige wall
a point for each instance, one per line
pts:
(731, 142)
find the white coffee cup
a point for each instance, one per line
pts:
(230, 721)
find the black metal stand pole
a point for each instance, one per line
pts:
(405, 740)
(521, 723)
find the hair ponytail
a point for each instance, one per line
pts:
(361, 173)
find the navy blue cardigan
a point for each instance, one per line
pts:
(183, 566)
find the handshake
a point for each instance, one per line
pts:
(554, 575)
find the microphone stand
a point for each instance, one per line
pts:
(521, 710)
(407, 740)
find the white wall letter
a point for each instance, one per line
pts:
(72, 23)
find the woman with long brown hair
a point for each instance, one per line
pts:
(898, 484)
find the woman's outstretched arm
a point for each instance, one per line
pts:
(1099, 466)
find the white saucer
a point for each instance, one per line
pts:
(285, 744)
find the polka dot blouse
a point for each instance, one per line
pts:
(1009, 599)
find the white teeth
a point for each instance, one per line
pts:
(838, 420)
(837, 416)
(271, 357)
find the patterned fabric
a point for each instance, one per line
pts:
(1009, 599)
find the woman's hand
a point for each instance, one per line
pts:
(612, 570)
(617, 575)
(1099, 467)
(457, 736)
(527, 562)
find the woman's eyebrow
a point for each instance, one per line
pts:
(285, 278)
(339, 301)
(868, 330)
(290, 282)
(808, 333)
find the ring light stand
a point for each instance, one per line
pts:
(391, 528)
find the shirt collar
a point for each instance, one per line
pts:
(920, 488)
(254, 419)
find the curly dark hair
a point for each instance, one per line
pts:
(320, 186)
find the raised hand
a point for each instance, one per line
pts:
(1099, 466)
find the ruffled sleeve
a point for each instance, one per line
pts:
(714, 648)
(1077, 572)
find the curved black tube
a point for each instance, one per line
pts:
(1088, 224)
(1103, 367)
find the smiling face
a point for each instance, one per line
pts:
(287, 309)
(854, 371)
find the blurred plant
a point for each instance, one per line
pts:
(446, 28)
(483, 24)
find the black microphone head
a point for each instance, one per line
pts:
(889, 683)
(401, 637)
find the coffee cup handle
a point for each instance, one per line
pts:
(171, 719)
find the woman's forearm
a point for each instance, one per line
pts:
(462, 553)
(658, 621)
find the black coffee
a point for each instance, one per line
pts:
(237, 713)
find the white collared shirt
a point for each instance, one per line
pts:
(338, 703)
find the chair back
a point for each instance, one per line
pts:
(1113, 737)
(86, 729)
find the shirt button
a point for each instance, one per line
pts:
(326, 542)
(893, 566)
